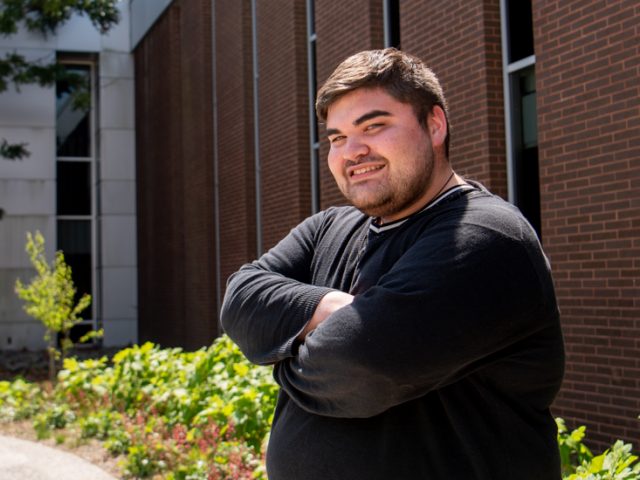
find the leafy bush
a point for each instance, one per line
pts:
(183, 388)
(204, 415)
(54, 417)
(19, 400)
(572, 451)
(578, 463)
(184, 415)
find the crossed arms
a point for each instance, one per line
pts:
(447, 305)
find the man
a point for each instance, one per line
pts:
(415, 336)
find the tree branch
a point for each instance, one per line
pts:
(45, 16)
(13, 151)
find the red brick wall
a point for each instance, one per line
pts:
(235, 138)
(284, 119)
(460, 41)
(587, 70)
(343, 28)
(175, 178)
(587, 67)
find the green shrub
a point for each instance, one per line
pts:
(187, 388)
(140, 400)
(100, 424)
(578, 463)
(19, 400)
(204, 415)
(616, 463)
(54, 417)
(572, 451)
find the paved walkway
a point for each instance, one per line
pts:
(24, 460)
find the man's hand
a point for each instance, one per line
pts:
(331, 302)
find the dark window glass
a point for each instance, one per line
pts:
(74, 239)
(520, 26)
(73, 105)
(78, 331)
(394, 23)
(525, 145)
(74, 188)
(528, 186)
(528, 112)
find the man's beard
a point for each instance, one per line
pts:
(396, 194)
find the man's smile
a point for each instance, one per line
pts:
(357, 171)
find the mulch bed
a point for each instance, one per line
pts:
(34, 365)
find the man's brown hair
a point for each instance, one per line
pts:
(405, 77)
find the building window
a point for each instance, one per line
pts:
(314, 138)
(75, 180)
(391, 18)
(520, 108)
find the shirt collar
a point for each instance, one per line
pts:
(374, 227)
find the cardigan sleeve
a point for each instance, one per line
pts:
(269, 301)
(451, 304)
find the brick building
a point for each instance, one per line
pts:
(545, 110)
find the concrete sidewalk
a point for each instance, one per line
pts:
(24, 460)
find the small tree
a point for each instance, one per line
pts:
(50, 298)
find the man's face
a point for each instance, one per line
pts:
(380, 155)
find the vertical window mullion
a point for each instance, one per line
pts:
(314, 139)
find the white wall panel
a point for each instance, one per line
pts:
(120, 332)
(116, 65)
(28, 197)
(117, 154)
(118, 197)
(11, 310)
(78, 35)
(18, 336)
(24, 39)
(118, 38)
(117, 103)
(32, 105)
(42, 148)
(118, 241)
(13, 236)
(120, 287)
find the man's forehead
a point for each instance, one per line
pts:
(362, 103)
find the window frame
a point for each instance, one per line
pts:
(91, 62)
(514, 129)
(509, 69)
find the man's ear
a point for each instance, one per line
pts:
(437, 126)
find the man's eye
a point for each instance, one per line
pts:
(373, 126)
(336, 139)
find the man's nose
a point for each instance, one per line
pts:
(355, 149)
